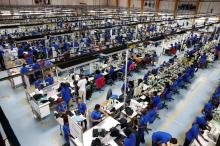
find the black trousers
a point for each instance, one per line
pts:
(187, 142)
(154, 144)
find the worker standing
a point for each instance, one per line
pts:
(82, 88)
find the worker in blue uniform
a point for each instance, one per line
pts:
(24, 69)
(202, 121)
(60, 106)
(66, 130)
(66, 94)
(111, 70)
(98, 75)
(96, 115)
(156, 101)
(160, 137)
(49, 79)
(192, 134)
(38, 84)
(81, 108)
(203, 60)
(208, 108)
(29, 60)
(142, 126)
(130, 139)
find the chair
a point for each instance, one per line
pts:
(109, 94)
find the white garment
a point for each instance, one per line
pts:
(82, 84)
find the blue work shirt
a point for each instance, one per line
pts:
(201, 121)
(35, 66)
(156, 100)
(122, 69)
(97, 76)
(24, 70)
(111, 71)
(37, 84)
(29, 60)
(209, 107)
(49, 80)
(66, 131)
(96, 115)
(193, 132)
(203, 59)
(66, 94)
(1, 53)
(82, 108)
(161, 137)
(61, 108)
(20, 52)
(130, 141)
(144, 119)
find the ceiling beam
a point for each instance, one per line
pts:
(197, 6)
(142, 6)
(157, 6)
(117, 3)
(129, 6)
(175, 8)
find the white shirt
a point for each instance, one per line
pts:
(82, 84)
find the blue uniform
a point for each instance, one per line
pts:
(49, 80)
(201, 121)
(66, 131)
(66, 94)
(209, 107)
(35, 66)
(156, 101)
(97, 76)
(122, 69)
(130, 141)
(96, 115)
(152, 115)
(111, 71)
(37, 84)
(24, 70)
(161, 137)
(193, 133)
(29, 60)
(82, 108)
(61, 108)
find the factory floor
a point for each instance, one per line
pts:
(176, 120)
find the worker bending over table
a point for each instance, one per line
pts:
(160, 137)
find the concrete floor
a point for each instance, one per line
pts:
(176, 120)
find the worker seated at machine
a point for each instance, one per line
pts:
(96, 115)
(98, 75)
(49, 79)
(39, 84)
(61, 107)
(24, 69)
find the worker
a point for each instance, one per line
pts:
(98, 74)
(208, 107)
(82, 87)
(130, 139)
(111, 70)
(24, 69)
(202, 121)
(66, 130)
(2, 57)
(81, 107)
(203, 60)
(156, 101)
(38, 84)
(142, 126)
(66, 95)
(96, 115)
(160, 137)
(60, 107)
(49, 79)
(192, 134)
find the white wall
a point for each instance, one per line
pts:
(205, 7)
(167, 5)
